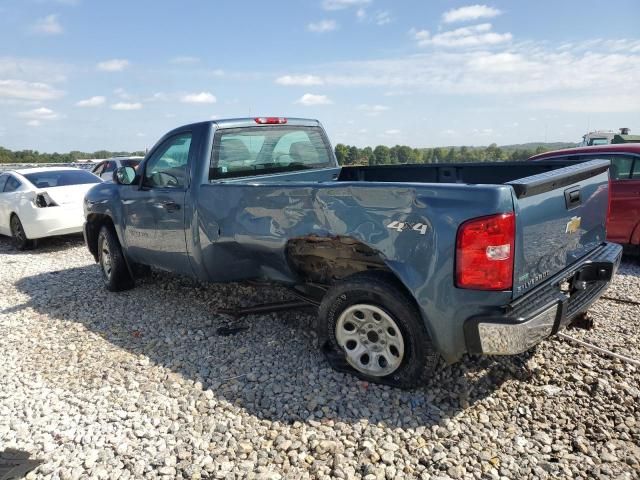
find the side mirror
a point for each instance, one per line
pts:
(124, 175)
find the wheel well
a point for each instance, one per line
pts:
(325, 260)
(95, 222)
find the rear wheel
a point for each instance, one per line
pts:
(20, 239)
(371, 327)
(115, 274)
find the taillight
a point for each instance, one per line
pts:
(484, 252)
(270, 120)
(44, 200)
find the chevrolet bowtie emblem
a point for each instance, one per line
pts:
(573, 225)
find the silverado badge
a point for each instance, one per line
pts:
(573, 225)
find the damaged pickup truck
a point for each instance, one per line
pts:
(407, 263)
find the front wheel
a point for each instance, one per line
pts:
(115, 274)
(18, 234)
(370, 326)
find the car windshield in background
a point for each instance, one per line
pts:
(60, 178)
(131, 162)
(239, 152)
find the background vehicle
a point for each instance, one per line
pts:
(605, 137)
(406, 262)
(42, 202)
(623, 224)
(105, 168)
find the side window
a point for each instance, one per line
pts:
(620, 168)
(635, 173)
(168, 165)
(99, 169)
(110, 167)
(3, 180)
(12, 184)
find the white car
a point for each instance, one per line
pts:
(42, 202)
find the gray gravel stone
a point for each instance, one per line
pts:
(139, 384)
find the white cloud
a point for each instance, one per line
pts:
(474, 36)
(342, 4)
(309, 99)
(113, 65)
(534, 75)
(322, 26)
(35, 91)
(34, 123)
(32, 70)
(392, 131)
(299, 80)
(185, 60)
(202, 97)
(122, 93)
(380, 18)
(48, 25)
(373, 110)
(482, 132)
(126, 106)
(581, 103)
(469, 13)
(42, 113)
(383, 18)
(92, 101)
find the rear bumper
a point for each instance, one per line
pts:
(51, 221)
(546, 309)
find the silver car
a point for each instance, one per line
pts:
(105, 168)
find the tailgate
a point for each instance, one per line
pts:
(561, 217)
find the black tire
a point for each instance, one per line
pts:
(380, 290)
(20, 240)
(113, 267)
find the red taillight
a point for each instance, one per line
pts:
(484, 252)
(270, 120)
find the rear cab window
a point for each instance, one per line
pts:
(249, 151)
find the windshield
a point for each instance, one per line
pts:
(131, 162)
(60, 178)
(260, 150)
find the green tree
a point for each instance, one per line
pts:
(341, 153)
(381, 155)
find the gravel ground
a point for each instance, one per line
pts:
(139, 384)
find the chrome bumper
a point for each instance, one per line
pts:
(546, 309)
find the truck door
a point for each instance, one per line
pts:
(155, 213)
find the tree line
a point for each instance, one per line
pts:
(346, 154)
(383, 155)
(33, 156)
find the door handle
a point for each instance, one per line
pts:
(168, 206)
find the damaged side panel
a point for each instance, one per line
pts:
(321, 232)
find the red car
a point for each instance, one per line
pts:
(623, 225)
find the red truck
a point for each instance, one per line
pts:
(623, 224)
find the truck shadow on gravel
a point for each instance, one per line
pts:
(44, 245)
(273, 369)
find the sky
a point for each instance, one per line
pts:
(116, 75)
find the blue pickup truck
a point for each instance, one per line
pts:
(407, 263)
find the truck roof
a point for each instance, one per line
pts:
(251, 122)
(610, 148)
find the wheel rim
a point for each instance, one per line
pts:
(105, 259)
(371, 340)
(17, 231)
